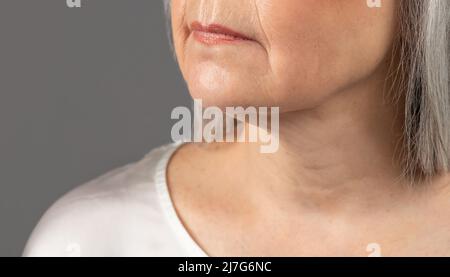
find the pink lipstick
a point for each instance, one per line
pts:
(214, 34)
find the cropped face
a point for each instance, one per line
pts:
(288, 53)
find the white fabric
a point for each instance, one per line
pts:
(126, 212)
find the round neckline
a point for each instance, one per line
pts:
(168, 207)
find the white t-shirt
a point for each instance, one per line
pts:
(125, 212)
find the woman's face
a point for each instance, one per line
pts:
(288, 53)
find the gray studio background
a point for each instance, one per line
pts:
(82, 91)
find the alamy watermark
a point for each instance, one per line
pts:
(77, 3)
(233, 124)
(374, 3)
(73, 3)
(374, 249)
(73, 249)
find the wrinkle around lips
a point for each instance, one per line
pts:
(216, 70)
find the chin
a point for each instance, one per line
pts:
(222, 86)
(224, 92)
(236, 96)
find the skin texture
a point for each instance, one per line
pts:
(303, 51)
(333, 187)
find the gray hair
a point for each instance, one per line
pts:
(423, 52)
(421, 78)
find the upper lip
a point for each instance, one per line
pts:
(217, 29)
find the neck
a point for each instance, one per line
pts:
(342, 153)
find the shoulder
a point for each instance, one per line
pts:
(95, 218)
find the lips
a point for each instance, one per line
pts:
(214, 34)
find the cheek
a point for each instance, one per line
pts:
(318, 47)
(310, 50)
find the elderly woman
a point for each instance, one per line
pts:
(364, 140)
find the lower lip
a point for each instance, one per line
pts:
(215, 34)
(215, 38)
